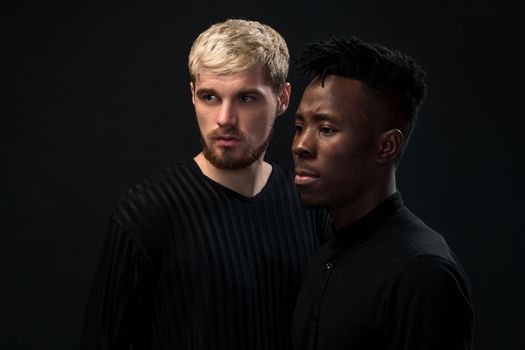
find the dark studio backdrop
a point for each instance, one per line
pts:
(96, 98)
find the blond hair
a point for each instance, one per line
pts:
(235, 45)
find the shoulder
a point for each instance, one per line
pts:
(427, 263)
(414, 250)
(432, 284)
(142, 213)
(411, 237)
(433, 272)
(165, 180)
(146, 202)
(435, 286)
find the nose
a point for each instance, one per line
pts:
(304, 145)
(227, 116)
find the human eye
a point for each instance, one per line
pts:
(327, 130)
(298, 128)
(246, 98)
(209, 98)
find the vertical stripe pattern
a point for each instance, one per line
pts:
(190, 264)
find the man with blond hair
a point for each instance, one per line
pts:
(208, 254)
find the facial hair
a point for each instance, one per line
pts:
(226, 157)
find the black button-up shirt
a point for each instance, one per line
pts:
(386, 282)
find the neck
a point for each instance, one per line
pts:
(353, 210)
(248, 181)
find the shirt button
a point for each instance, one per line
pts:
(328, 266)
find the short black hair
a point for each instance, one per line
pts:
(390, 72)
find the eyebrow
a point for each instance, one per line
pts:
(250, 92)
(211, 91)
(205, 91)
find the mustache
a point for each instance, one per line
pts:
(226, 132)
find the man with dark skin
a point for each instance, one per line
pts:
(383, 280)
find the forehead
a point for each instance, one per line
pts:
(252, 76)
(338, 97)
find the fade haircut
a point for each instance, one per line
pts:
(235, 45)
(394, 78)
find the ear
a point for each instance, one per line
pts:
(284, 98)
(192, 89)
(390, 145)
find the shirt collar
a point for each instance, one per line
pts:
(369, 223)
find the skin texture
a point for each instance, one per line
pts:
(343, 161)
(236, 113)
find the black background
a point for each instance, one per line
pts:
(95, 97)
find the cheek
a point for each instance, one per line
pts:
(339, 166)
(259, 124)
(337, 177)
(203, 115)
(334, 150)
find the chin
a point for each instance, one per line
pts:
(309, 199)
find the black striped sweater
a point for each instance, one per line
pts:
(191, 264)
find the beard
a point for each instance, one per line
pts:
(226, 157)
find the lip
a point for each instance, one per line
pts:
(305, 177)
(227, 141)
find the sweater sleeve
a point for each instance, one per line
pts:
(430, 307)
(116, 298)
